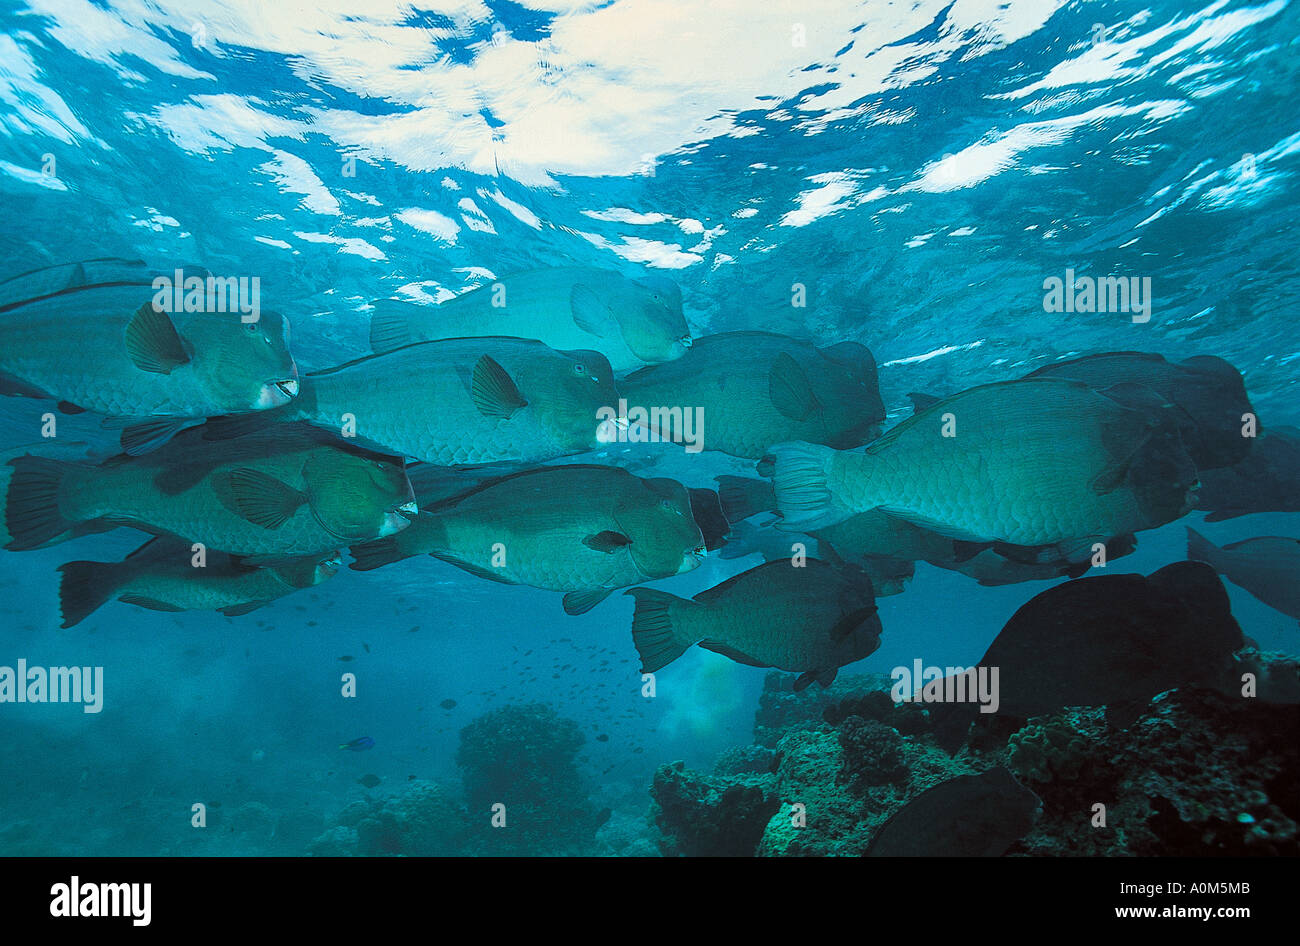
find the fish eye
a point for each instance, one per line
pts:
(579, 368)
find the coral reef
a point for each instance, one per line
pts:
(422, 820)
(781, 707)
(1196, 773)
(745, 760)
(873, 752)
(710, 816)
(522, 757)
(1055, 747)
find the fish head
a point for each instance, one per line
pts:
(856, 633)
(242, 366)
(657, 518)
(567, 393)
(1212, 395)
(306, 572)
(849, 370)
(357, 495)
(650, 316)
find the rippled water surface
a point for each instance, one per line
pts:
(912, 173)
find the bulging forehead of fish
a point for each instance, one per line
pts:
(357, 498)
(671, 494)
(356, 471)
(587, 364)
(855, 358)
(658, 519)
(651, 318)
(567, 388)
(665, 290)
(247, 365)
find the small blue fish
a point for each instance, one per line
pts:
(360, 744)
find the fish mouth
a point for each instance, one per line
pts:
(692, 559)
(609, 431)
(686, 341)
(408, 509)
(329, 568)
(393, 523)
(276, 393)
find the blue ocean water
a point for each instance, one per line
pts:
(917, 172)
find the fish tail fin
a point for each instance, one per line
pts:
(33, 516)
(84, 587)
(1201, 549)
(233, 426)
(656, 630)
(426, 533)
(376, 553)
(803, 492)
(744, 496)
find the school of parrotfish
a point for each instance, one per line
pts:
(444, 441)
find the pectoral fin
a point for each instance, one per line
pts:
(731, 653)
(789, 389)
(141, 438)
(589, 313)
(607, 541)
(153, 604)
(824, 677)
(580, 602)
(262, 500)
(850, 622)
(153, 343)
(235, 610)
(493, 391)
(1111, 478)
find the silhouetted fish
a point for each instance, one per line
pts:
(1268, 480)
(1268, 567)
(968, 816)
(1208, 391)
(1112, 640)
(809, 620)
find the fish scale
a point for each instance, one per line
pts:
(73, 345)
(565, 528)
(126, 493)
(1025, 477)
(554, 557)
(729, 378)
(417, 401)
(812, 618)
(42, 358)
(611, 313)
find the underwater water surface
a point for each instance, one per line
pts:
(909, 177)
